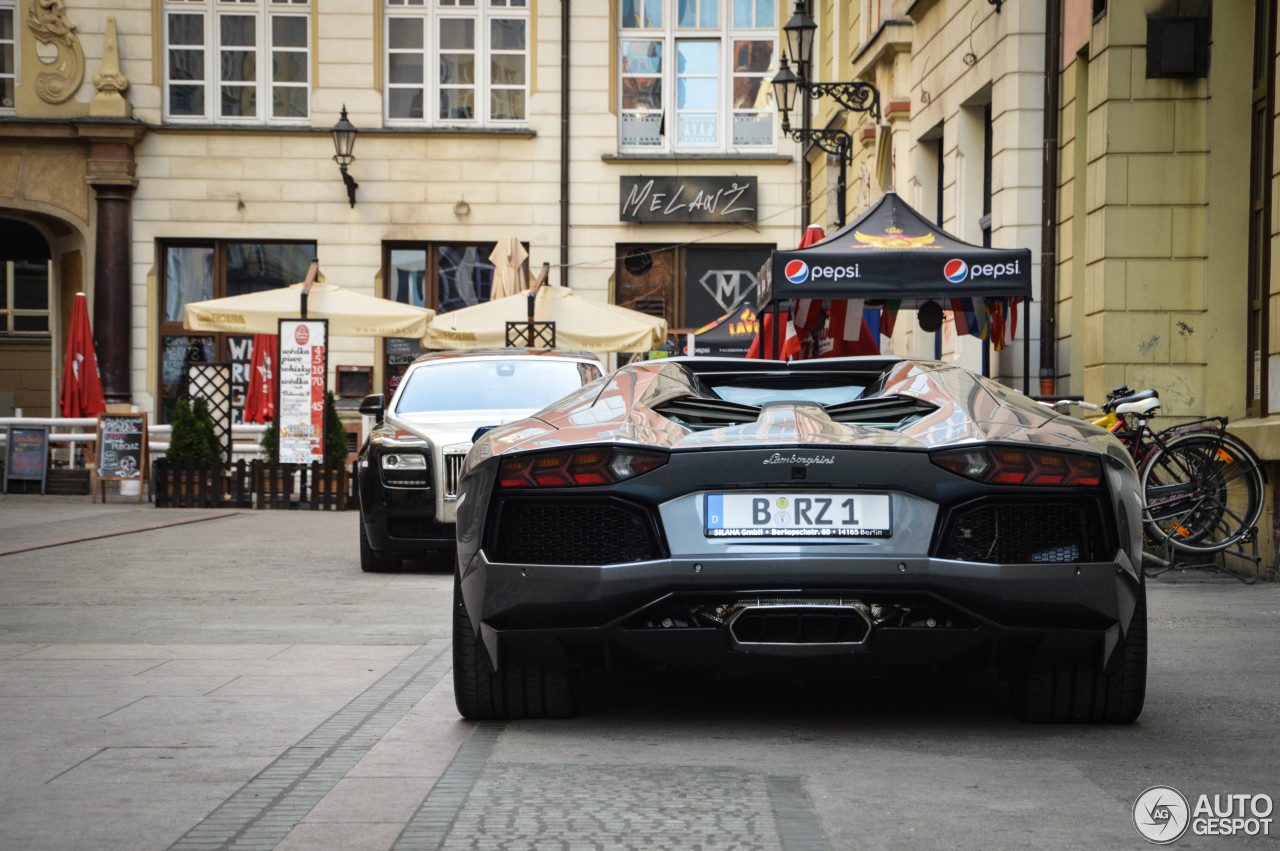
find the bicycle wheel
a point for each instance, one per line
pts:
(1203, 492)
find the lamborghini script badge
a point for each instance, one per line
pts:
(806, 460)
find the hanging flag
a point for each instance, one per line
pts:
(981, 321)
(807, 312)
(996, 308)
(961, 312)
(889, 316)
(846, 319)
(791, 348)
(260, 398)
(847, 333)
(81, 383)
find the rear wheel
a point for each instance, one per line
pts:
(519, 690)
(1084, 693)
(370, 561)
(1203, 492)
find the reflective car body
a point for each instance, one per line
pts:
(829, 517)
(408, 468)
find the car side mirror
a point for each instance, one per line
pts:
(373, 406)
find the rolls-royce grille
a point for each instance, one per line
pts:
(452, 473)
(556, 531)
(1009, 533)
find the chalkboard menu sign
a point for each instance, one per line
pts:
(26, 454)
(122, 446)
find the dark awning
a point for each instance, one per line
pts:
(892, 252)
(731, 335)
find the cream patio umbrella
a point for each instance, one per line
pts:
(508, 258)
(350, 314)
(582, 324)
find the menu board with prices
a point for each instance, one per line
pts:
(302, 371)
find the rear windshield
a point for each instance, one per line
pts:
(492, 385)
(756, 390)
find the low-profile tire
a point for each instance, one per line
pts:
(370, 561)
(519, 690)
(1084, 693)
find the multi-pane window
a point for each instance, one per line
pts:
(8, 57)
(441, 275)
(24, 297)
(201, 270)
(238, 61)
(695, 74)
(457, 62)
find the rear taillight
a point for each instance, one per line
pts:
(999, 465)
(576, 468)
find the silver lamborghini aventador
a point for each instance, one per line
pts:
(823, 518)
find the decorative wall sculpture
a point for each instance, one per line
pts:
(48, 23)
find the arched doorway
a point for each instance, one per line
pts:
(41, 269)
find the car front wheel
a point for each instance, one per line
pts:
(519, 690)
(370, 561)
(1084, 693)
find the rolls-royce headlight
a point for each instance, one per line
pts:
(405, 469)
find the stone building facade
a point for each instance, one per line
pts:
(185, 152)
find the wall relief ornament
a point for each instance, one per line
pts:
(48, 23)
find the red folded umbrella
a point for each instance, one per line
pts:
(260, 399)
(81, 383)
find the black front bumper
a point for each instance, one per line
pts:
(627, 615)
(401, 522)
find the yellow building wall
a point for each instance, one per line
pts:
(1165, 217)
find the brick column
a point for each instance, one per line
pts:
(111, 174)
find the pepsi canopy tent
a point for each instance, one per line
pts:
(892, 252)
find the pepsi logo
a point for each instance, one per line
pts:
(797, 271)
(955, 271)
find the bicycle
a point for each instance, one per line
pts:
(1202, 486)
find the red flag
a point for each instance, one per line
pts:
(889, 317)
(81, 383)
(260, 398)
(839, 339)
(790, 341)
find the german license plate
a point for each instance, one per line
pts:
(824, 514)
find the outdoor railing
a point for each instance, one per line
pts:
(81, 430)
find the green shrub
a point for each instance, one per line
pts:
(335, 435)
(269, 442)
(192, 437)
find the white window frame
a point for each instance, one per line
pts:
(263, 12)
(726, 34)
(431, 13)
(12, 9)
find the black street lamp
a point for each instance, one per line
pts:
(856, 96)
(344, 142)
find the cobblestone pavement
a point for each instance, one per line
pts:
(175, 680)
